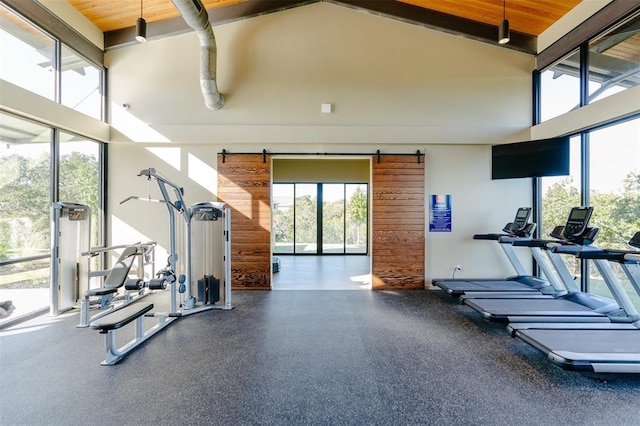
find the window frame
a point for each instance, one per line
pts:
(613, 15)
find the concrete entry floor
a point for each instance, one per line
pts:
(323, 273)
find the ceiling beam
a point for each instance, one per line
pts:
(389, 8)
(441, 21)
(217, 16)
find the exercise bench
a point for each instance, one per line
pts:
(109, 324)
(116, 278)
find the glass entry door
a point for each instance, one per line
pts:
(320, 218)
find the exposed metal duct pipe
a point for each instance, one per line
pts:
(195, 15)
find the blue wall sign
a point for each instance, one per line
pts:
(440, 213)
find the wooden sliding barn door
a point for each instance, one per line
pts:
(244, 184)
(398, 208)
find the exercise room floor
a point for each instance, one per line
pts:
(323, 273)
(305, 358)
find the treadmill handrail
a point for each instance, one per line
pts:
(525, 232)
(531, 242)
(490, 237)
(573, 249)
(612, 255)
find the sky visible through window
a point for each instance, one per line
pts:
(617, 145)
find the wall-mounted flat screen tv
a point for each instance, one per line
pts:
(543, 157)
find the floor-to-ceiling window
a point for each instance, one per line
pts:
(27, 55)
(26, 165)
(613, 60)
(333, 218)
(320, 218)
(559, 195)
(282, 226)
(33, 60)
(79, 177)
(560, 87)
(305, 219)
(25, 171)
(81, 83)
(39, 163)
(605, 164)
(356, 218)
(614, 192)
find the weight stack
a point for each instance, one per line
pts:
(208, 289)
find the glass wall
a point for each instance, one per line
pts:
(25, 164)
(604, 160)
(559, 195)
(34, 158)
(25, 171)
(30, 60)
(333, 223)
(282, 226)
(560, 87)
(26, 192)
(305, 220)
(614, 178)
(612, 65)
(320, 218)
(614, 191)
(79, 176)
(27, 55)
(613, 175)
(81, 84)
(614, 62)
(356, 218)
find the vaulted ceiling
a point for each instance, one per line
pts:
(477, 19)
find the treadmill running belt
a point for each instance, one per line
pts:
(498, 285)
(500, 309)
(600, 351)
(584, 341)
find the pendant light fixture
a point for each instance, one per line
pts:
(504, 35)
(141, 27)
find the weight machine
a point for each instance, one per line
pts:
(72, 278)
(69, 270)
(207, 227)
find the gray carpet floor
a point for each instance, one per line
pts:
(305, 357)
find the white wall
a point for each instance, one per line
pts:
(395, 87)
(479, 205)
(390, 82)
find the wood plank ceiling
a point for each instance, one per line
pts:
(112, 15)
(472, 18)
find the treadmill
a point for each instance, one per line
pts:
(627, 317)
(561, 280)
(576, 305)
(600, 348)
(522, 282)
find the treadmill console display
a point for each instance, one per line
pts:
(578, 221)
(522, 217)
